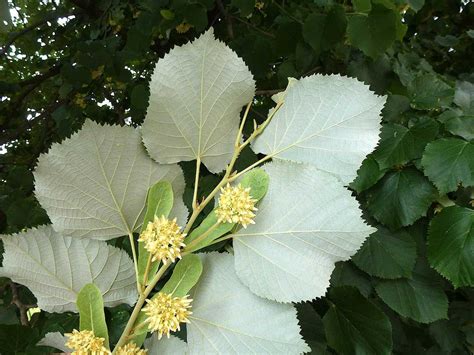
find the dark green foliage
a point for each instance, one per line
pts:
(65, 61)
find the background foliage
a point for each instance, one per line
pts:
(408, 289)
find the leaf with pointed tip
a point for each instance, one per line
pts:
(55, 268)
(55, 340)
(299, 234)
(165, 346)
(197, 93)
(91, 312)
(331, 122)
(449, 162)
(451, 245)
(226, 315)
(94, 184)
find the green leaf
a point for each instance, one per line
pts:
(321, 131)
(167, 14)
(346, 274)
(194, 111)
(362, 5)
(159, 203)
(462, 126)
(373, 33)
(299, 234)
(226, 315)
(420, 297)
(416, 5)
(354, 325)
(245, 6)
(312, 328)
(428, 91)
(185, 275)
(323, 31)
(95, 183)
(400, 198)
(368, 175)
(91, 312)
(258, 180)
(464, 96)
(399, 145)
(451, 245)
(55, 268)
(449, 162)
(387, 254)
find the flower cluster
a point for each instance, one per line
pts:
(163, 239)
(130, 349)
(84, 342)
(165, 313)
(236, 205)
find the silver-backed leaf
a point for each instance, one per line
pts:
(165, 346)
(329, 121)
(305, 224)
(229, 319)
(94, 184)
(55, 340)
(55, 268)
(196, 94)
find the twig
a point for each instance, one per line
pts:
(23, 308)
(15, 36)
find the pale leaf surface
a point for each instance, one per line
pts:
(165, 346)
(94, 184)
(305, 224)
(55, 268)
(229, 319)
(55, 340)
(196, 94)
(329, 121)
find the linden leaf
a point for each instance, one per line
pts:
(55, 268)
(226, 315)
(95, 183)
(331, 122)
(55, 340)
(196, 94)
(165, 346)
(306, 223)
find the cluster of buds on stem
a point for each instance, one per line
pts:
(165, 313)
(84, 342)
(163, 239)
(236, 205)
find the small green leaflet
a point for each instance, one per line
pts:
(159, 203)
(451, 245)
(185, 275)
(354, 325)
(449, 162)
(91, 312)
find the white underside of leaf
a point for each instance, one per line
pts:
(94, 184)
(228, 319)
(55, 268)
(305, 224)
(196, 94)
(55, 340)
(329, 121)
(165, 346)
